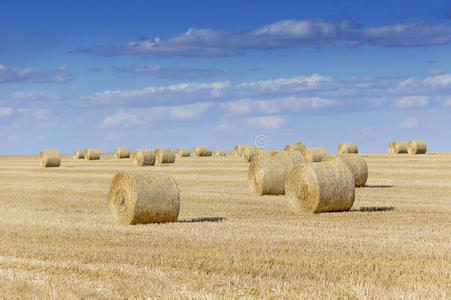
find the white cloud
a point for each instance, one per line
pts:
(439, 80)
(411, 101)
(33, 95)
(5, 111)
(189, 111)
(293, 83)
(121, 120)
(409, 123)
(37, 113)
(272, 122)
(35, 75)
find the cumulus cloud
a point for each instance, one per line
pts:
(439, 80)
(169, 72)
(411, 101)
(35, 75)
(189, 111)
(271, 122)
(409, 123)
(279, 35)
(121, 120)
(5, 111)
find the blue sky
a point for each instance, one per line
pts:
(77, 74)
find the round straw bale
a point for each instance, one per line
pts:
(298, 146)
(50, 158)
(164, 156)
(417, 147)
(321, 187)
(315, 154)
(268, 170)
(79, 154)
(355, 163)
(397, 147)
(144, 157)
(139, 198)
(238, 151)
(391, 148)
(218, 153)
(121, 153)
(199, 151)
(92, 154)
(347, 148)
(183, 152)
(249, 152)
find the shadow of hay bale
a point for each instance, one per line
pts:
(378, 186)
(202, 220)
(374, 208)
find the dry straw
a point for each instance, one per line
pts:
(183, 152)
(417, 147)
(248, 152)
(268, 170)
(298, 146)
(321, 187)
(50, 158)
(347, 148)
(164, 156)
(355, 163)
(219, 153)
(315, 154)
(144, 157)
(79, 154)
(92, 154)
(139, 198)
(397, 147)
(199, 151)
(238, 151)
(121, 153)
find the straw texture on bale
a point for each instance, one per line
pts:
(315, 154)
(249, 152)
(164, 156)
(397, 147)
(347, 148)
(238, 151)
(199, 151)
(121, 153)
(298, 146)
(320, 187)
(50, 158)
(355, 163)
(219, 153)
(268, 170)
(79, 154)
(417, 147)
(183, 152)
(139, 198)
(92, 154)
(144, 157)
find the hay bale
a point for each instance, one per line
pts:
(391, 148)
(218, 153)
(164, 156)
(121, 153)
(199, 151)
(50, 158)
(238, 151)
(79, 154)
(140, 198)
(248, 153)
(92, 154)
(347, 148)
(144, 157)
(314, 154)
(355, 163)
(298, 146)
(397, 147)
(268, 170)
(417, 147)
(183, 152)
(320, 187)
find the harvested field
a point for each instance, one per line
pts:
(58, 240)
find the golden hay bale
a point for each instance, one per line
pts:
(199, 151)
(121, 153)
(298, 146)
(139, 198)
(92, 154)
(164, 156)
(183, 152)
(268, 170)
(320, 187)
(238, 151)
(248, 152)
(79, 154)
(390, 148)
(50, 158)
(144, 157)
(314, 154)
(347, 148)
(397, 147)
(355, 163)
(218, 153)
(417, 147)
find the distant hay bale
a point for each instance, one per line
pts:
(355, 163)
(397, 147)
(50, 158)
(298, 146)
(121, 153)
(218, 153)
(164, 156)
(416, 147)
(183, 152)
(314, 154)
(144, 157)
(248, 152)
(320, 187)
(79, 154)
(268, 170)
(92, 154)
(238, 151)
(347, 148)
(143, 198)
(199, 151)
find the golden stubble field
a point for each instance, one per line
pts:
(57, 239)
